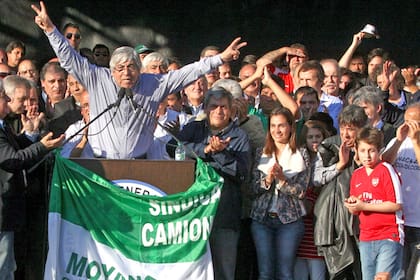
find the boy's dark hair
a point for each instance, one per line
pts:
(371, 136)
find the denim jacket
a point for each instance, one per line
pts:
(289, 205)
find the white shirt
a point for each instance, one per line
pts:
(69, 146)
(409, 170)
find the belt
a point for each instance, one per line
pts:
(144, 156)
(272, 215)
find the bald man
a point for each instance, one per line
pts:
(404, 152)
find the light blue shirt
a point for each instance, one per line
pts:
(334, 106)
(124, 133)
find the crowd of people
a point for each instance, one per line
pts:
(320, 158)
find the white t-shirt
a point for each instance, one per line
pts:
(409, 171)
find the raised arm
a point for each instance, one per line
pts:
(232, 51)
(414, 134)
(275, 54)
(391, 152)
(346, 58)
(283, 97)
(42, 19)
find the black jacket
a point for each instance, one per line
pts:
(66, 112)
(233, 164)
(333, 232)
(16, 156)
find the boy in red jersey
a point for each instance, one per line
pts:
(375, 195)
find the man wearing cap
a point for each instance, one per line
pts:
(142, 51)
(125, 132)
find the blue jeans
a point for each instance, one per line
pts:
(7, 255)
(313, 269)
(381, 256)
(276, 245)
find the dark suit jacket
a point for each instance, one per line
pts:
(66, 112)
(14, 159)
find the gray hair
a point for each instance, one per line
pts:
(124, 54)
(217, 93)
(12, 82)
(231, 86)
(32, 84)
(368, 94)
(53, 67)
(155, 56)
(353, 115)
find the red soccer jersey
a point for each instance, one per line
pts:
(383, 184)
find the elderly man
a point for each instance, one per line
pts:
(17, 88)
(126, 132)
(371, 100)
(154, 63)
(28, 70)
(311, 73)
(18, 153)
(404, 152)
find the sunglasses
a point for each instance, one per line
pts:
(4, 74)
(77, 36)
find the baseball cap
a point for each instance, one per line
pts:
(142, 49)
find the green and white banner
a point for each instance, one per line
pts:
(99, 231)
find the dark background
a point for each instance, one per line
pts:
(183, 28)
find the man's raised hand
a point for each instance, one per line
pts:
(232, 51)
(42, 19)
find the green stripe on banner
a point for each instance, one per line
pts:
(148, 229)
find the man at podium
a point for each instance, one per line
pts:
(126, 130)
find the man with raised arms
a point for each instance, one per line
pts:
(126, 132)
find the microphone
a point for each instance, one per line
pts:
(130, 96)
(121, 94)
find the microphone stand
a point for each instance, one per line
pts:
(117, 103)
(134, 105)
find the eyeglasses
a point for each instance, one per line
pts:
(129, 67)
(77, 36)
(4, 74)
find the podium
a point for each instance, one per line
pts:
(168, 175)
